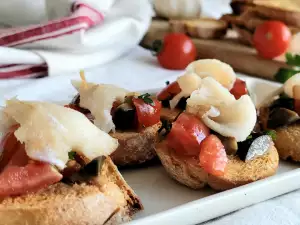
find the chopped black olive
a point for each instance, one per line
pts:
(283, 102)
(182, 104)
(165, 103)
(281, 117)
(254, 146)
(124, 117)
(230, 144)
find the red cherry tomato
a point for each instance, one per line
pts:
(213, 158)
(186, 134)
(147, 114)
(176, 52)
(8, 146)
(169, 92)
(271, 39)
(239, 89)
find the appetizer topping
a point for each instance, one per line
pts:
(291, 87)
(239, 89)
(257, 144)
(124, 117)
(187, 84)
(213, 158)
(50, 132)
(230, 144)
(148, 114)
(221, 72)
(221, 112)
(146, 98)
(186, 135)
(169, 91)
(283, 74)
(99, 99)
(281, 117)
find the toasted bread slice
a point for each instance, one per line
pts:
(109, 200)
(204, 28)
(135, 147)
(188, 172)
(288, 143)
(244, 35)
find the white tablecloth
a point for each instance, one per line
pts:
(139, 70)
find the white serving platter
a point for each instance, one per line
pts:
(165, 201)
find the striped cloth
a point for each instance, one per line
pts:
(81, 18)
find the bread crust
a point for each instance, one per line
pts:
(89, 204)
(203, 28)
(135, 147)
(188, 172)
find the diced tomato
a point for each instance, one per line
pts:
(297, 106)
(239, 89)
(213, 158)
(8, 146)
(16, 180)
(147, 114)
(187, 132)
(169, 92)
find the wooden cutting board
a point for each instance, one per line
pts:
(242, 58)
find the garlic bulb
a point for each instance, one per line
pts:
(178, 9)
(221, 112)
(220, 71)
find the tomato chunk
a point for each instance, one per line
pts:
(169, 92)
(16, 180)
(213, 158)
(186, 135)
(8, 146)
(239, 89)
(147, 114)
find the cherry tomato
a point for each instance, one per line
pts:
(169, 92)
(8, 146)
(213, 158)
(187, 132)
(176, 52)
(147, 114)
(239, 89)
(271, 39)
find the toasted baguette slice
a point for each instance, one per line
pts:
(204, 28)
(188, 172)
(244, 35)
(135, 147)
(109, 200)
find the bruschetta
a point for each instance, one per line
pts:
(132, 118)
(55, 169)
(175, 94)
(212, 142)
(280, 111)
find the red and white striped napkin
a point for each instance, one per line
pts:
(75, 40)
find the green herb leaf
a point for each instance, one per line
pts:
(146, 98)
(71, 155)
(167, 82)
(271, 133)
(283, 74)
(249, 137)
(293, 60)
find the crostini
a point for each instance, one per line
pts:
(213, 142)
(55, 169)
(131, 118)
(175, 94)
(280, 111)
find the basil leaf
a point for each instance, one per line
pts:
(293, 60)
(283, 74)
(271, 133)
(146, 98)
(71, 155)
